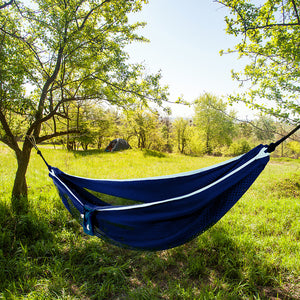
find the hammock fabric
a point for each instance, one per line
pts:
(171, 210)
(168, 210)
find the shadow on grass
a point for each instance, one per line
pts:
(25, 242)
(41, 259)
(153, 153)
(218, 267)
(78, 153)
(24, 229)
(82, 153)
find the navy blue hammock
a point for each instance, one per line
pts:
(168, 210)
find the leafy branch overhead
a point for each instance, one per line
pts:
(269, 35)
(3, 5)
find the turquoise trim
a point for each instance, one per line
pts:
(87, 221)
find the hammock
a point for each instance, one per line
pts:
(168, 211)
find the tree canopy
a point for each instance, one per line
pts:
(216, 126)
(55, 52)
(269, 33)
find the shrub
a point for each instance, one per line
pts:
(294, 147)
(237, 148)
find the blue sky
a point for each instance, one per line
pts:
(185, 40)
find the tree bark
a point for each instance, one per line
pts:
(19, 202)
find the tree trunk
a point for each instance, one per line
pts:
(19, 201)
(99, 143)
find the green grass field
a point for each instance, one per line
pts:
(252, 253)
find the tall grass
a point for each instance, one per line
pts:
(252, 253)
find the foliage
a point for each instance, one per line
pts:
(182, 133)
(269, 34)
(196, 145)
(211, 119)
(166, 131)
(98, 126)
(238, 148)
(253, 252)
(12, 77)
(144, 126)
(66, 51)
(264, 129)
(294, 146)
(245, 129)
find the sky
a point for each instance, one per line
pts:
(185, 40)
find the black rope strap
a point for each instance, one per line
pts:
(33, 142)
(273, 146)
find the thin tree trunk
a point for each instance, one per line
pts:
(19, 201)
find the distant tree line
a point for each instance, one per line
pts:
(211, 130)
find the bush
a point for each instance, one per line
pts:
(195, 145)
(294, 147)
(238, 148)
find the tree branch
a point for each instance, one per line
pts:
(248, 122)
(10, 140)
(47, 117)
(22, 39)
(267, 25)
(54, 111)
(126, 90)
(49, 81)
(296, 11)
(273, 25)
(90, 12)
(56, 134)
(6, 4)
(35, 127)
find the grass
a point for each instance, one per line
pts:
(252, 253)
